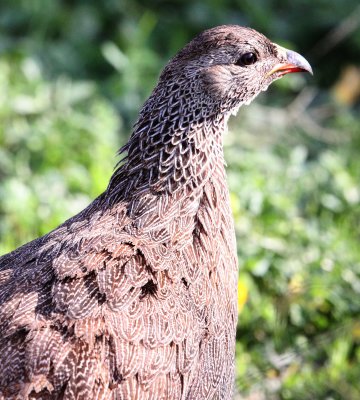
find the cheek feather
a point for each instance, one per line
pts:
(217, 80)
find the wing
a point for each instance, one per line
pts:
(92, 311)
(129, 301)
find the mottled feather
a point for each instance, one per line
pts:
(136, 296)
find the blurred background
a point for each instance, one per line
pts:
(73, 75)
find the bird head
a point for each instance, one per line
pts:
(229, 65)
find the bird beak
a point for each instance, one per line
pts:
(294, 63)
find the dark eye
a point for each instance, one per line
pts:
(247, 59)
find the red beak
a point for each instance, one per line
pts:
(294, 63)
(286, 69)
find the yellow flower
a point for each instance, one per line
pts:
(296, 285)
(242, 294)
(356, 330)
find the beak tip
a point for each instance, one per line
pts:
(299, 61)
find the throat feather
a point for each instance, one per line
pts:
(166, 153)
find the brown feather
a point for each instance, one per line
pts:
(136, 296)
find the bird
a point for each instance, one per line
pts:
(135, 297)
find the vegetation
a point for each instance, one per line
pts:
(73, 75)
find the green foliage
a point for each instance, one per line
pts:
(57, 149)
(298, 232)
(70, 69)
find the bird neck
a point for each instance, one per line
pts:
(171, 149)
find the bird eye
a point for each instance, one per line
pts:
(247, 59)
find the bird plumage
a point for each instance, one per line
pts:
(136, 296)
